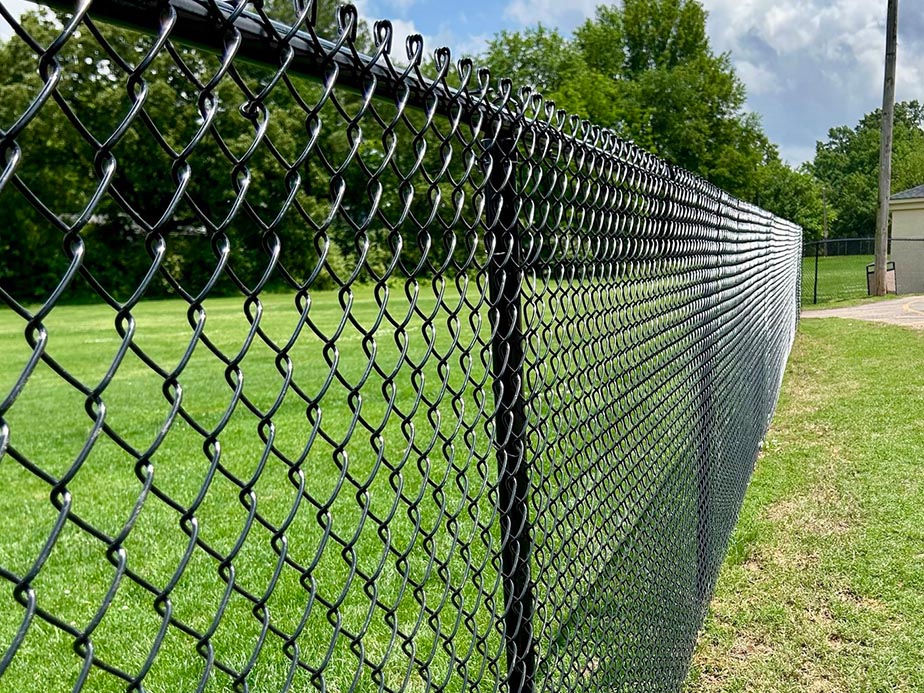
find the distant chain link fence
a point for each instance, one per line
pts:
(841, 269)
(326, 366)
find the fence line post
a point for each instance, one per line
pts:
(815, 288)
(505, 279)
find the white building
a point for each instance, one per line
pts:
(907, 208)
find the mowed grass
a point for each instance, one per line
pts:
(823, 587)
(363, 528)
(386, 523)
(841, 278)
(359, 517)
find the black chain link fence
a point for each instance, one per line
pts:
(330, 368)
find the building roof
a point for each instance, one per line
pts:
(910, 194)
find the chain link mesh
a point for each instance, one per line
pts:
(331, 368)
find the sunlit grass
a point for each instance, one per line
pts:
(390, 527)
(823, 588)
(341, 513)
(841, 278)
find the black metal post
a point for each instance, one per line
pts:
(815, 289)
(505, 278)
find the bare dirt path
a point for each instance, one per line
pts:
(907, 311)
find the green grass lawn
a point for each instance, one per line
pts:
(823, 587)
(342, 512)
(840, 279)
(376, 512)
(385, 492)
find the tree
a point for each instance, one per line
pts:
(847, 163)
(645, 69)
(62, 168)
(554, 66)
(793, 194)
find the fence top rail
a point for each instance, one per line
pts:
(490, 106)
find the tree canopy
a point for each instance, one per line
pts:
(645, 69)
(199, 168)
(847, 164)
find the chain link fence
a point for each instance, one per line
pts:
(330, 366)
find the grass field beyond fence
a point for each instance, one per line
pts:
(360, 518)
(823, 587)
(375, 495)
(840, 278)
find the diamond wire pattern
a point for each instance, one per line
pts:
(298, 473)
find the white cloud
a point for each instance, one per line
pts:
(402, 29)
(809, 66)
(758, 78)
(16, 8)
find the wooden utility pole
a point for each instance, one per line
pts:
(885, 149)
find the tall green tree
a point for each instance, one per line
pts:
(645, 69)
(61, 166)
(793, 194)
(847, 163)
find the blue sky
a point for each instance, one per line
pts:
(808, 65)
